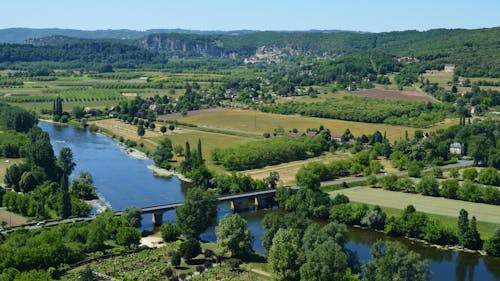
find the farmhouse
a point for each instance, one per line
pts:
(449, 67)
(337, 137)
(456, 148)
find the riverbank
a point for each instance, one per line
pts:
(167, 173)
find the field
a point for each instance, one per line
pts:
(12, 219)
(254, 121)
(392, 95)
(179, 136)
(427, 204)
(287, 171)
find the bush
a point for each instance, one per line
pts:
(489, 176)
(190, 248)
(170, 232)
(470, 174)
(175, 258)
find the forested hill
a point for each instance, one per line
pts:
(465, 48)
(20, 35)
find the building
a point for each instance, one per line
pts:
(456, 148)
(449, 67)
(337, 137)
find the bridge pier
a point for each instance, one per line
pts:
(235, 205)
(157, 219)
(263, 201)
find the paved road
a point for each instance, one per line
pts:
(459, 164)
(149, 209)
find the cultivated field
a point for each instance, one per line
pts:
(255, 121)
(11, 218)
(287, 171)
(427, 204)
(179, 136)
(392, 95)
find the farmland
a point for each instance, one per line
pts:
(253, 121)
(392, 95)
(427, 204)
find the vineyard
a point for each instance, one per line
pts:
(73, 95)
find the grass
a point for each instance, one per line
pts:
(179, 136)
(260, 122)
(287, 171)
(12, 219)
(486, 229)
(430, 205)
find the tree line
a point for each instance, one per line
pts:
(271, 152)
(415, 114)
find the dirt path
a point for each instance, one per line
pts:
(261, 272)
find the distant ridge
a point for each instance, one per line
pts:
(21, 34)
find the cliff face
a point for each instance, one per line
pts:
(183, 45)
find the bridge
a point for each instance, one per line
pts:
(260, 198)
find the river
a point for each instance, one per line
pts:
(122, 181)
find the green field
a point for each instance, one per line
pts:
(254, 121)
(442, 207)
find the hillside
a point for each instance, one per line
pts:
(471, 50)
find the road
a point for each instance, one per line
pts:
(459, 164)
(149, 209)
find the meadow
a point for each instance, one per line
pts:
(255, 121)
(427, 204)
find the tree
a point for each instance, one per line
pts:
(141, 131)
(308, 179)
(347, 134)
(197, 213)
(133, 215)
(489, 176)
(170, 232)
(413, 169)
(437, 172)
(199, 149)
(171, 127)
(175, 258)
(392, 261)
(27, 182)
(327, 262)
(233, 236)
(286, 256)
(163, 153)
(128, 236)
(272, 180)
(492, 246)
(463, 225)
(66, 161)
(475, 242)
(13, 176)
(428, 186)
(375, 218)
(178, 150)
(163, 129)
(83, 186)
(87, 275)
(449, 188)
(190, 248)
(454, 173)
(470, 174)
(40, 152)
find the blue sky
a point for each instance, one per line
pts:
(361, 15)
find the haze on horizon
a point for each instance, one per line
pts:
(359, 15)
